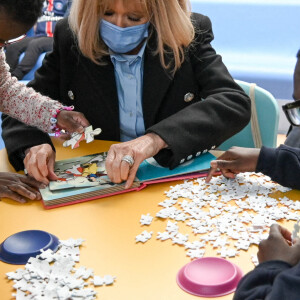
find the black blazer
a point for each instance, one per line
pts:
(189, 128)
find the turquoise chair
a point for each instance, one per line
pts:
(267, 115)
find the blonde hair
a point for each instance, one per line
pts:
(170, 19)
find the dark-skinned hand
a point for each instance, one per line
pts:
(234, 161)
(278, 246)
(19, 187)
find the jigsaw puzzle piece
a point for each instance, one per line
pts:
(90, 133)
(76, 138)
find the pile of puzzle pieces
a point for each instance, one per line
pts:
(231, 215)
(52, 276)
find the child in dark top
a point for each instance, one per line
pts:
(281, 164)
(277, 277)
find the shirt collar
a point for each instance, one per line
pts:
(130, 58)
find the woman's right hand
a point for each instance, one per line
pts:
(39, 163)
(18, 187)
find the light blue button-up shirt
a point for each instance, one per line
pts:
(129, 70)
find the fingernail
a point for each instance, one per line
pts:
(43, 186)
(32, 196)
(213, 163)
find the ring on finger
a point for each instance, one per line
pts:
(129, 159)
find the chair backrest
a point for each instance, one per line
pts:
(30, 75)
(268, 117)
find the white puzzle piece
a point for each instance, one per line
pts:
(108, 279)
(146, 219)
(74, 141)
(97, 281)
(144, 236)
(87, 135)
(195, 253)
(90, 133)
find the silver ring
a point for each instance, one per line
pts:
(129, 159)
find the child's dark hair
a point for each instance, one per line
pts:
(22, 11)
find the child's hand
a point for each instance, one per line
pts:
(278, 246)
(72, 121)
(18, 187)
(234, 161)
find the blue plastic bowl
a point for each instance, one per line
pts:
(19, 247)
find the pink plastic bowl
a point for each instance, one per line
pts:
(209, 277)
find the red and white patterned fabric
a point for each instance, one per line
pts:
(24, 103)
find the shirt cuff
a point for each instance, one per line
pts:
(274, 264)
(266, 161)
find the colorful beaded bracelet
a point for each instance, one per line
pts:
(53, 119)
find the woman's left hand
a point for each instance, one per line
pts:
(139, 149)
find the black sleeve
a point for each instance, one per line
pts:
(282, 164)
(206, 124)
(18, 137)
(272, 280)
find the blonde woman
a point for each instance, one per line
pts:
(146, 73)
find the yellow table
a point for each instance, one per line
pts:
(109, 226)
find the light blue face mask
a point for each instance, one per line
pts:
(122, 40)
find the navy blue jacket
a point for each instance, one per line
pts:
(53, 11)
(274, 280)
(282, 164)
(271, 280)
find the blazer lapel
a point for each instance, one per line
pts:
(103, 81)
(155, 85)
